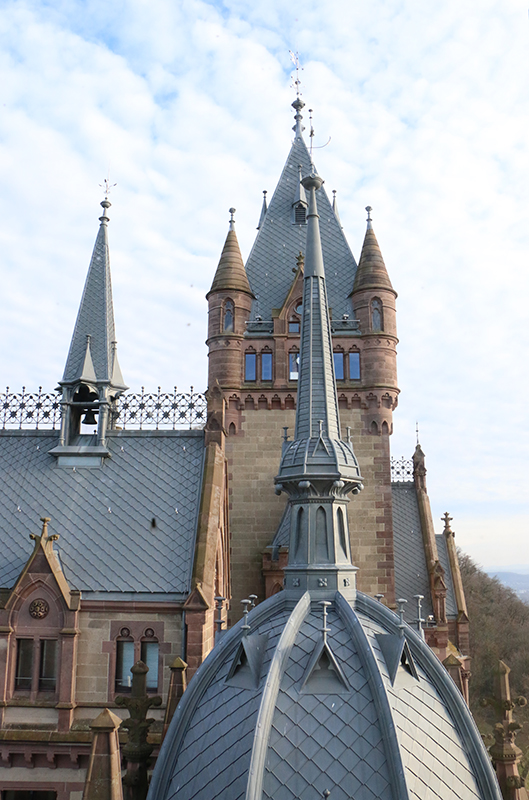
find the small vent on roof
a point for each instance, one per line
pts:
(300, 214)
(245, 671)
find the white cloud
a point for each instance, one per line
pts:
(188, 103)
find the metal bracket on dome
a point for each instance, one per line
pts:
(396, 652)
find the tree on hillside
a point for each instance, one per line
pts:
(499, 629)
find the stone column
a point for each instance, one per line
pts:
(103, 777)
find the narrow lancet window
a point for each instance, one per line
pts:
(354, 366)
(229, 310)
(250, 367)
(377, 318)
(339, 366)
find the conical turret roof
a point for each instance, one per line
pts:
(371, 272)
(93, 356)
(231, 274)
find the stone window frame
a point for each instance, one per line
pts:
(250, 351)
(225, 303)
(356, 351)
(137, 630)
(265, 351)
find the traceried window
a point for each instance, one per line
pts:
(293, 366)
(354, 366)
(339, 373)
(266, 366)
(229, 312)
(377, 317)
(250, 366)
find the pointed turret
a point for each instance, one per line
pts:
(371, 272)
(92, 377)
(231, 274)
(94, 334)
(317, 469)
(229, 301)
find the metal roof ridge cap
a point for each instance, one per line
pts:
(267, 706)
(170, 748)
(384, 714)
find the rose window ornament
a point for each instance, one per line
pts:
(39, 608)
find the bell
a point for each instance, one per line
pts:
(89, 418)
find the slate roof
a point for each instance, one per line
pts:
(370, 741)
(104, 515)
(273, 256)
(411, 574)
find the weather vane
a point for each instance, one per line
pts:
(294, 57)
(107, 186)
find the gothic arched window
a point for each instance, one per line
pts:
(377, 318)
(229, 311)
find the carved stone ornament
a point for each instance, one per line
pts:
(39, 608)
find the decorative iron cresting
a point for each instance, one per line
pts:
(401, 470)
(132, 411)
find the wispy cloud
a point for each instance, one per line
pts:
(187, 104)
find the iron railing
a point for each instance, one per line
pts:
(42, 410)
(401, 470)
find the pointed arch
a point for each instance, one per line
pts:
(321, 541)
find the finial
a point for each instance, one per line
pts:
(447, 519)
(369, 220)
(419, 621)
(245, 627)
(252, 598)
(325, 630)
(379, 597)
(298, 102)
(285, 433)
(232, 218)
(311, 134)
(417, 431)
(401, 603)
(294, 57)
(219, 621)
(300, 260)
(107, 186)
(326, 793)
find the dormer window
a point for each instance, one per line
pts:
(300, 214)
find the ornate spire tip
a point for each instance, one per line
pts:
(369, 220)
(232, 218)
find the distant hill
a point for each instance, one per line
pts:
(517, 581)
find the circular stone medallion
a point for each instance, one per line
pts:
(39, 608)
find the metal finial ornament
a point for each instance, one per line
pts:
(401, 603)
(379, 597)
(326, 793)
(325, 630)
(417, 431)
(252, 598)
(232, 218)
(296, 83)
(245, 627)
(219, 622)
(107, 186)
(369, 220)
(419, 620)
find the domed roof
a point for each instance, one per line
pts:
(287, 710)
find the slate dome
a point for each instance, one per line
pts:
(275, 713)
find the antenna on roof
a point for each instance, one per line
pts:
(296, 83)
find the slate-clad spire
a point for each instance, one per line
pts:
(317, 468)
(371, 272)
(94, 336)
(231, 274)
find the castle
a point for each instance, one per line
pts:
(149, 529)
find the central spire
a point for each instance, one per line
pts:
(317, 468)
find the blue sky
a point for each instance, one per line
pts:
(188, 105)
